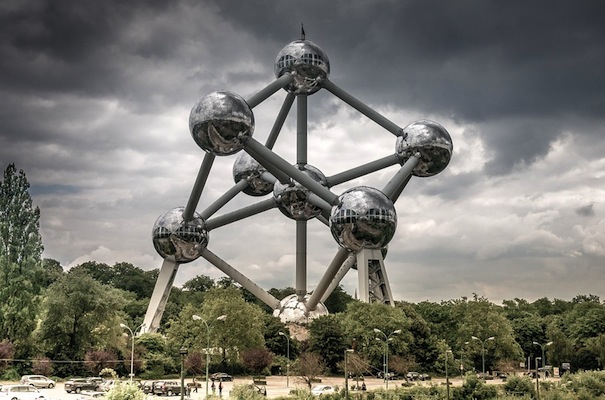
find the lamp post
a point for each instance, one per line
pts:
(447, 377)
(124, 326)
(288, 357)
(387, 338)
(183, 352)
(198, 318)
(483, 350)
(537, 380)
(347, 374)
(543, 346)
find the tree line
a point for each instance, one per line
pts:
(71, 322)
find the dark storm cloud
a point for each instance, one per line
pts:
(586, 211)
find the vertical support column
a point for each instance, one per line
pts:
(301, 226)
(364, 257)
(159, 298)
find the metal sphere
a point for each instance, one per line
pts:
(365, 218)
(246, 167)
(178, 240)
(307, 63)
(292, 199)
(429, 139)
(292, 310)
(221, 122)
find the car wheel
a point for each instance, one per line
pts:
(169, 393)
(78, 390)
(51, 386)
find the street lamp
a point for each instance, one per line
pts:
(198, 318)
(537, 379)
(346, 374)
(447, 378)
(287, 356)
(124, 326)
(387, 338)
(543, 346)
(483, 350)
(183, 352)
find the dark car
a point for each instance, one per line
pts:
(221, 376)
(148, 386)
(76, 385)
(424, 377)
(167, 388)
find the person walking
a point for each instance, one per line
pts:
(213, 387)
(220, 388)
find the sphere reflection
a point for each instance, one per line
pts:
(246, 167)
(429, 139)
(307, 63)
(291, 310)
(178, 240)
(292, 199)
(221, 122)
(365, 218)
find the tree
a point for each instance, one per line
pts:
(80, 314)
(327, 338)
(42, 366)
(308, 367)
(256, 360)
(7, 352)
(20, 260)
(97, 360)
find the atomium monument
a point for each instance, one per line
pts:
(362, 219)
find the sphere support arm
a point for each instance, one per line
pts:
(301, 259)
(396, 185)
(362, 108)
(362, 170)
(273, 87)
(268, 159)
(344, 268)
(237, 276)
(224, 199)
(240, 214)
(198, 186)
(279, 121)
(331, 272)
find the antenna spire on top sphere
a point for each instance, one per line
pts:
(302, 31)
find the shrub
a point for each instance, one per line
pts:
(519, 386)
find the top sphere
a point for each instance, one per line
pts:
(429, 139)
(221, 122)
(307, 63)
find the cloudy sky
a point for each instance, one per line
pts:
(95, 100)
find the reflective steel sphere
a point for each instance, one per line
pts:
(307, 62)
(365, 218)
(292, 199)
(178, 240)
(221, 122)
(246, 167)
(431, 141)
(292, 310)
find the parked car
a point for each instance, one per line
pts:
(91, 395)
(412, 376)
(221, 376)
(77, 385)
(39, 381)
(148, 386)
(167, 388)
(322, 389)
(20, 392)
(424, 377)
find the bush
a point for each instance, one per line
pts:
(519, 386)
(125, 391)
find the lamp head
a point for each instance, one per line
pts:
(398, 331)
(491, 338)
(222, 317)
(196, 317)
(281, 334)
(123, 326)
(536, 343)
(475, 337)
(549, 343)
(377, 330)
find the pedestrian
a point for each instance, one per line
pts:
(195, 385)
(213, 387)
(220, 388)
(363, 386)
